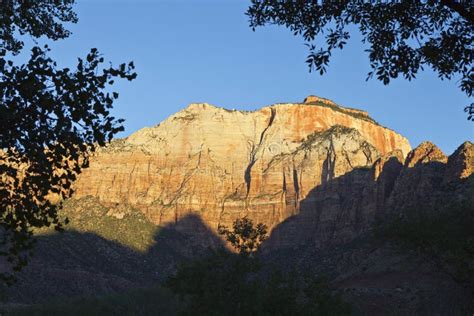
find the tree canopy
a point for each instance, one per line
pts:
(244, 237)
(51, 118)
(401, 36)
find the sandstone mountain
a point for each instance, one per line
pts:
(221, 164)
(318, 174)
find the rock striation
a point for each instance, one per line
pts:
(338, 211)
(222, 164)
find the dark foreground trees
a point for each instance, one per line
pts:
(224, 283)
(50, 119)
(401, 36)
(443, 235)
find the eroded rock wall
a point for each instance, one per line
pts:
(338, 211)
(222, 164)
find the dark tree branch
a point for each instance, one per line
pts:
(460, 9)
(402, 37)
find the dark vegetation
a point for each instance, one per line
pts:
(50, 119)
(318, 136)
(217, 283)
(226, 284)
(186, 117)
(244, 237)
(401, 37)
(236, 284)
(445, 236)
(149, 301)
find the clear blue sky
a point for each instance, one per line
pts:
(204, 51)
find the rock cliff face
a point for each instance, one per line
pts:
(344, 208)
(222, 164)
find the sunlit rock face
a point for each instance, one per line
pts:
(222, 164)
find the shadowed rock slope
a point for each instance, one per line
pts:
(344, 208)
(105, 250)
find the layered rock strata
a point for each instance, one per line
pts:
(344, 208)
(222, 164)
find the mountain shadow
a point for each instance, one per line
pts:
(81, 264)
(334, 234)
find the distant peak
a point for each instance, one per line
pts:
(461, 163)
(424, 153)
(467, 145)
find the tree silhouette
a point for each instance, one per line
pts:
(50, 118)
(223, 283)
(402, 36)
(244, 237)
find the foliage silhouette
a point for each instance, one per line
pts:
(244, 237)
(402, 37)
(51, 120)
(36, 18)
(227, 284)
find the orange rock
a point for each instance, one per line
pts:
(424, 153)
(223, 164)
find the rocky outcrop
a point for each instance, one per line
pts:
(333, 233)
(460, 163)
(345, 208)
(222, 164)
(425, 153)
